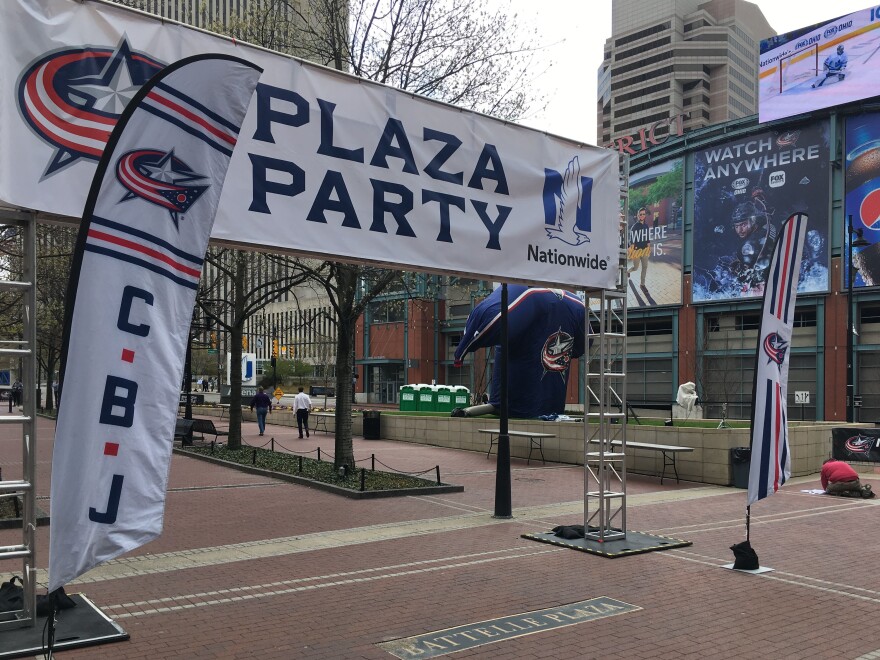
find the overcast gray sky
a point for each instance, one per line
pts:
(574, 32)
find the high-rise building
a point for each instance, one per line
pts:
(679, 57)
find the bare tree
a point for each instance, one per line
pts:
(55, 246)
(461, 53)
(236, 286)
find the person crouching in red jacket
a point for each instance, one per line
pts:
(838, 478)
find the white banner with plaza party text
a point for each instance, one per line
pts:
(327, 165)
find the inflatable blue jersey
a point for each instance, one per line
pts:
(546, 331)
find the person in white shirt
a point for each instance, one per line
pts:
(302, 404)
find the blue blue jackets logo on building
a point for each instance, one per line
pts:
(567, 204)
(72, 98)
(160, 178)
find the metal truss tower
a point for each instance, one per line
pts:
(605, 405)
(21, 228)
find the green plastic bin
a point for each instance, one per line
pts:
(427, 398)
(408, 398)
(461, 397)
(445, 400)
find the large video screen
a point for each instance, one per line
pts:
(862, 201)
(826, 64)
(655, 235)
(743, 192)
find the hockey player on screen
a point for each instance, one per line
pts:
(756, 234)
(834, 65)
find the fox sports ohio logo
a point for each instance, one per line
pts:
(72, 98)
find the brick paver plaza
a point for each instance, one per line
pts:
(251, 567)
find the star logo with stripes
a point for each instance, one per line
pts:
(160, 178)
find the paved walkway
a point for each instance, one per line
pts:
(253, 567)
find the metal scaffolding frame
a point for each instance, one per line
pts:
(605, 398)
(24, 348)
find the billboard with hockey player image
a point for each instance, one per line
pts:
(820, 66)
(655, 235)
(743, 191)
(862, 202)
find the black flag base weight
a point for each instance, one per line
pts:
(635, 543)
(83, 625)
(746, 559)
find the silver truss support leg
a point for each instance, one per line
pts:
(20, 284)
(605, 399)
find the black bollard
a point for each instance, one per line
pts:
(363, 478)
(300, 464)
(373, 463)
(319, 454)
(212, 447)
(438, 475)
(272, 441)
(254, 458)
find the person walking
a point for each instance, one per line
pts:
(302, 404)
(17, 392)
(263, 404)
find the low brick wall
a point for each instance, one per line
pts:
(708, 463)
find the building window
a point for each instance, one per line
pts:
(641, 64)
(649, 326)
(644, 48)
(641, 121)
(805, 318)
(644, 91)
(635, 80)
(641, 34)
(459, 310)
(387, 311)
(663, 100)
(748, 321)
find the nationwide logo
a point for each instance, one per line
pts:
(860, 444)
(788, 138)
(775, 348)
(73, 98)
(556, 353)
(160, 178)
(567, 204)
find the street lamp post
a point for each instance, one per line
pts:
(851, 329)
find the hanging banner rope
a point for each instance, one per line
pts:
(138, 259)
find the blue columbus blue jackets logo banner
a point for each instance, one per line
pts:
(129, 306)
(771, 457)
(160, 178)
(567, 199)
(848, 444)
(73, 98)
